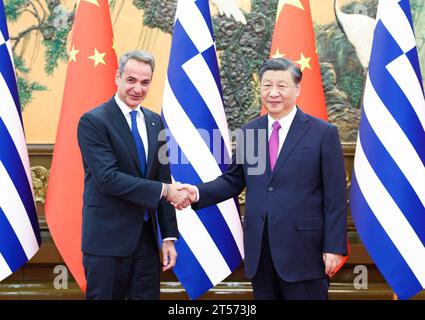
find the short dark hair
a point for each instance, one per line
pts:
(282, 64)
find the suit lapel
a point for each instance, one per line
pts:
(296, 131)
(263, 125)
(118, 121)
(152, 128)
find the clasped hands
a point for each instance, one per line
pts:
(181, 195)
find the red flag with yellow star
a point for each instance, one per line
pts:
(89, 82)
(293, 38)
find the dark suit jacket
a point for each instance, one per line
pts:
(304, 197)
(115, 195)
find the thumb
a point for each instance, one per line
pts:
(180, 186)
(165, 258)
(183, 186)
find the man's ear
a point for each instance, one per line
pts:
(117, 77)
(298, 89)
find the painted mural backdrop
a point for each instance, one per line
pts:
(243, 44)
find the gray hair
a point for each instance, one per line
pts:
(282, 64)
(139, 55)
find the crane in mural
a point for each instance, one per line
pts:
(358, 28)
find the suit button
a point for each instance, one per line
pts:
(271, 188)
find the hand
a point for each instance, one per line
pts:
(192, 190)
(169, 255)
(179, 198)
(332, 261)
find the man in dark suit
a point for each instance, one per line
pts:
(295, 217)
(125, 185)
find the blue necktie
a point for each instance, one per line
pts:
(139, 143)
(140, 149)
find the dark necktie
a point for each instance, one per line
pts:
(140, 150)
(139, 143)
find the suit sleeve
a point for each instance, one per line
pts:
(166, 212)
(228, 185)
(99, 157)
(334, 193)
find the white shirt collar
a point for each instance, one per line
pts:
(285, 121)
(125, 109)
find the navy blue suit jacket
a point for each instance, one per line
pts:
(115, 195)
(304, 197)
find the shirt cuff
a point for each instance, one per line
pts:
(197, 194)
(170, 238)
(164, 188)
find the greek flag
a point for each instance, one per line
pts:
(210, 245)
(19, 233)
(388, 185)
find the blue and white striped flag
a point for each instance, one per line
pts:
(19, 232)
(388, 186)
(210, 245)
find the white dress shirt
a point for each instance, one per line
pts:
(140, 120)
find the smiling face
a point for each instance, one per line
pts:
(134, 82)
(278, 92)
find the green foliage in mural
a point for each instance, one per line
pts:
(55, 37)
(242, 49)
(14, 8)
(26, 87)
(352, 82)
(418, 14)
(334, 48)
(53, 23)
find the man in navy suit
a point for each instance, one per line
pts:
(295, 217)
(125, 185)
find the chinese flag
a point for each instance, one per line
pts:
(293, 38)
(90, 81)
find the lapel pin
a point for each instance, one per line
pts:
(153, 123)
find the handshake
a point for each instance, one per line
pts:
(180, 195)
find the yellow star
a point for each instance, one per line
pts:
(304, 62)
(97, 57)
(278, 54)
(295, 3)
(73, 54)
